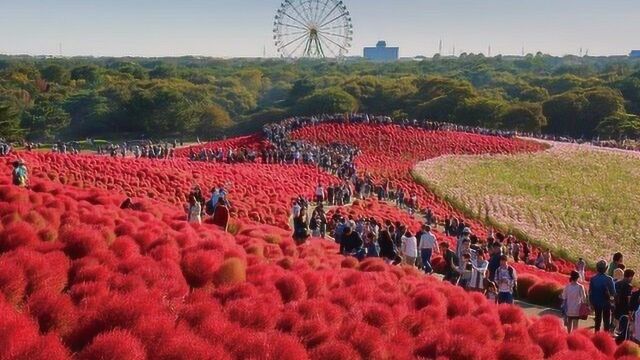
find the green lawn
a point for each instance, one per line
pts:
(577, 201)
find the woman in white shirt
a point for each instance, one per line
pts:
(409, 248)
(194, 211)
(574, 296)
(479, 268)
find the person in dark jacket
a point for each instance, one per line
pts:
(221, 215)
(494, 260)
(387, 249)
(601, 291)
(623, 296)
(351, 242)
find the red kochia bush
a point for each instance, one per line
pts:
(199, 267)
(519, 351)
(291, 288)
(545, 293)
(627, 349)
(13, 282)
(335, 350)
(54, 312)
(114, 345)
(604, 343)
(16, 235)
(82, 241)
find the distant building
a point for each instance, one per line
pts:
(635, 54)
(381, 52)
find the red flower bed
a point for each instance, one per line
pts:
(88, 278)
(380, 211)
(261, 193)
(251, 142)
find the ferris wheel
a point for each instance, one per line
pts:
(312, 28)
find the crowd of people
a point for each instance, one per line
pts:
(140, 149)
(220, 155)
(216, 206)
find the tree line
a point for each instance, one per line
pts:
(44, 99)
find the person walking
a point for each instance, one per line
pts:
(581, 266)
(573, 296)
(20, 174)
(409, 248)
(450, 263)
(194, 210)
(624, 288)
(221, 214)
(428, 245)
(506, 279)
(601, 292)
(300, 228)
(478, 272)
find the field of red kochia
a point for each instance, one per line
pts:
(82, 278)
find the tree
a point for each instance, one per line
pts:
(602, 102)
(55, 73)
(564, 114)
(479, 111)
(438, 97)
(329, 101)
(301, 88)
(524, 116)
(163, 71)
(88, 111)
(630, 89)
(213, 120)
(9, 122)
(45, 120)
(619, 125)
(88, 73)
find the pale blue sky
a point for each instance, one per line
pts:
(243, 27)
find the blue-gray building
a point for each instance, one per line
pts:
(635, 54)
(381, 52)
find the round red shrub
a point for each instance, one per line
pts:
(54, 312)
(199, 267)
(604, 342)
(519, 351)
(252, 313)
(335, 350)
(80, 242)
(627, 348)
(428, 297)
(232, 271)
(114, 345)
(47, 347)
(510, 314)
(546, 293)
(291, 288)
(16, 235)
(13, 283)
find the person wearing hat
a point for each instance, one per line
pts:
(601, 291)
(20, 174)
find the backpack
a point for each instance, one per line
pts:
(17, 178)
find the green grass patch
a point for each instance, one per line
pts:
(576, 202)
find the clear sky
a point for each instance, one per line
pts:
(232, 28)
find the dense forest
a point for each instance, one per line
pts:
(43, 99)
